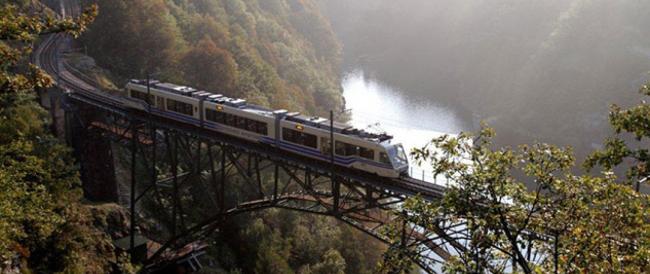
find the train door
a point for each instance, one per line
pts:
(160, 102)
(325, 145)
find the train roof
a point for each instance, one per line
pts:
(312, 121)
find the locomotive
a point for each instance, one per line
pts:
(289, 131)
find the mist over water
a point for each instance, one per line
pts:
(542, 71)
(377, 106)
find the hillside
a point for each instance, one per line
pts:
(282, 53)
(278, 53)
(45, 224)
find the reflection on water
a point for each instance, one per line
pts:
(377, 107)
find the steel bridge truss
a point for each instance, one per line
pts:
(190, 181)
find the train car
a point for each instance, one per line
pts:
(289, 131)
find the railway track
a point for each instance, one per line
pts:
(48, 56)
(80, 88)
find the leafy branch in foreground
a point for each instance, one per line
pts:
(634, 121)
(562, 222)
(43, 226)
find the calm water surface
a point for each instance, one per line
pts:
(377, 107)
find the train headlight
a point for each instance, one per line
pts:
(300, 127)
(219, 108)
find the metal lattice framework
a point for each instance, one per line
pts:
(194, 179)
(190, 180)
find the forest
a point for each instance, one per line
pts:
(273, 53)
(284, 54)
(45, 224)
(278, 53)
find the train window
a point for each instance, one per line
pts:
(237, 121)
(300, 138)
(289, 135)
(241, 122)
(351, 150)
(309, 140)
(257, 127)
(345, 149)
(214, 116)
(142, 96)
(180, 107)
(262, 128)
(325, 145)
(231, 120)
(383, 158)
(251, 125)
(339, 148)
(367, 153)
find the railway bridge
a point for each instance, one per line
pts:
(190, 179)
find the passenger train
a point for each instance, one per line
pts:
(289, 131)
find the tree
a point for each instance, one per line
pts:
(269, 261)
(332, 263)
(210, 67)
(279, 54)
(636, 122)
(567, 223)
(132, 38)
(27, 213)
(39, 211)
(43, 227)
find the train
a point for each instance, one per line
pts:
(289, 131)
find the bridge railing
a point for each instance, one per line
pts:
(427, 175)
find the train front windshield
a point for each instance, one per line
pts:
(397, 156)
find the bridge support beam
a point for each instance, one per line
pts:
(190, 182)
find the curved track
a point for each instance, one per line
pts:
(48, 57)
(80, 88)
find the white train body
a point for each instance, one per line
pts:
(292, 132)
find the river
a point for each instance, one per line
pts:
(378, 107)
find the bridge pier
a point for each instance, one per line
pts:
(52, 99)
(94, 153)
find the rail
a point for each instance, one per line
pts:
(85, 90)
(70, 79)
